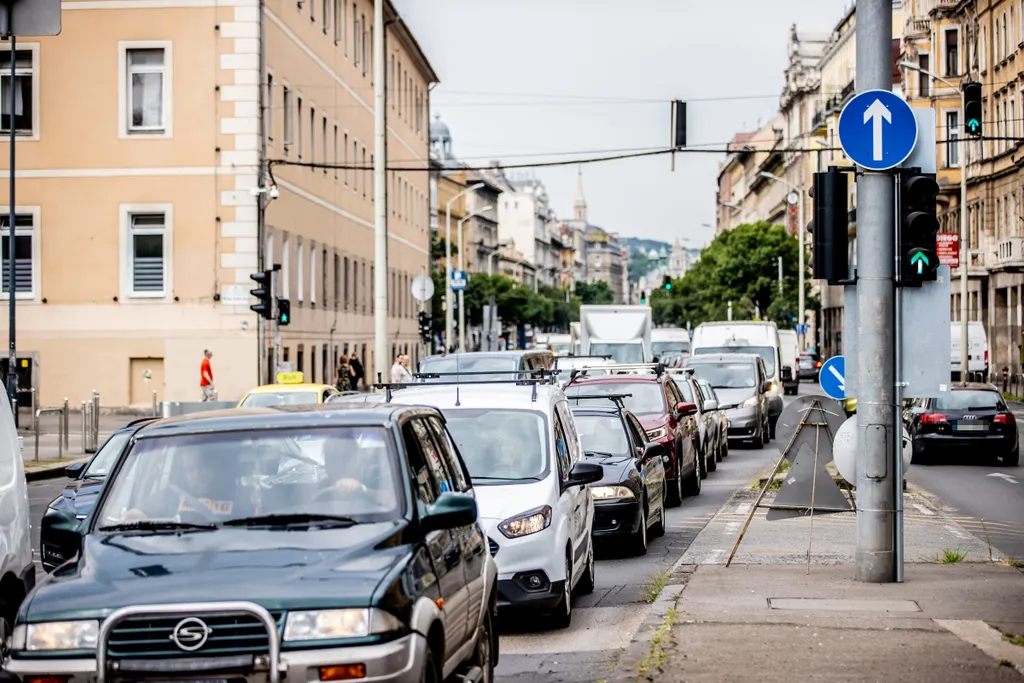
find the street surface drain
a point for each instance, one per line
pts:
(830, 605)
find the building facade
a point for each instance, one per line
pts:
(135, 243)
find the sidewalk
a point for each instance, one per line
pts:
(769, 618)
(50, 461)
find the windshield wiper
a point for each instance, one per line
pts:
(603, 454)
(289, 519)
(481, 478)
(157, 525)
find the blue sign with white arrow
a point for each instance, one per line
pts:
(877, 130)
(458, 280)
(832, 377)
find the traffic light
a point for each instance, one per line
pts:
(678, 124)
(643, 297)
(831, 234)
(972, 108)
(918, 226)
(667, 283)
(263, 305)
(425, 319)
(284, 311)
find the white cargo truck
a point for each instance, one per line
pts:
(620, 332)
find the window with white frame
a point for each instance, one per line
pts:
(357, 36)
(323, 141)
(269, 104)
(26, 91)
(952, 51)
(339, 23)
(286, 106)
(355, 162)
(147, 253)
(312, 135)
(344, 158)
(286, 268)
(147, 81)
(25, 246)
(335, 151)
(952, 137)
(300, 260)
(326, 15)
(298, 138)
(312, 274)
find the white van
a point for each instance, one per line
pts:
(670, 340)
(790, 360)
(759, 338)
(17, 573)
(977, 348)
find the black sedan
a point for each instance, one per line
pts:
(629, 501)
(810, 366)
(972, 419)
(59, 534)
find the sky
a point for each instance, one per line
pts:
(543, 80)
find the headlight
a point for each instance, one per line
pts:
(334, 624)
(610, 492)
(774, 388)
(527, 523)
(749, 403)
(57, 635)
(657, 433)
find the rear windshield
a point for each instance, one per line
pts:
(662, 347)
(619, 353)
(281, 398)
(455, 363)
(767, 354)
(646, 398)
(726, 375)
(969, 400)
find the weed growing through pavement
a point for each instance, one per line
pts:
(951, 556)
(988, 540)
(658, 653)
(1006, 662)
(1014, 638)
(655, 586)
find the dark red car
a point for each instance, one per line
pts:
(665, 415)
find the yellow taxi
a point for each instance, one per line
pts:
(290, 389)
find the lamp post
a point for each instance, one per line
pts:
(800, 263)
(963, 217)
(449, 318)
(462, 267)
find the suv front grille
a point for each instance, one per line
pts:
(150, 637)
(493, 547)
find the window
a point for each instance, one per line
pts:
(369, 171)
(25, 92)
(325, 11)
(448, 450)
(335, 151)
(147, 86)
(364, 44)
(1012, 27)
(345, 282)
(355, 162)
(392, 83)
(357, 36)
(952, 134)
(426, 489)
(25, 259)
(365, 172)
(923, 79)
(984, 48)
(147, 249)
(1006, 45)
(312, 275)
(337, 279)
(952, 52)
(286, 269)
(286, 101)
(323, 276)
(298, 138)
(323, 142)
(344, 160)
(300, 257)
(268, 104)
(312, 135)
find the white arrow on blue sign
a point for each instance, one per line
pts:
(877, 130)
(832, 377)
(458, 280)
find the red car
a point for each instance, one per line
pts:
(664, 414)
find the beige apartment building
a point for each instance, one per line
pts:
(137, 227)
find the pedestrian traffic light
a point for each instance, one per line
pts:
(918, 226)
(284, 311)
(972, 109)
(263, 305)
(831, 258)
(667, 283)
(643, 297)
(425, 319)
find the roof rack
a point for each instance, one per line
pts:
(608, 357)
(390, 387)
(617, 398)
(536, 373)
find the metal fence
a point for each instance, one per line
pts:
(62, 414)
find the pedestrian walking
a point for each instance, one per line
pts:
(399, 371)
(358, 374)
(346, 374)
(206, 377)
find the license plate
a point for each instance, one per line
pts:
(969, 427)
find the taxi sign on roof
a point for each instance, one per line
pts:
(290, 378)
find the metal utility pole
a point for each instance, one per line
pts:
(874, 556)
(261, 199)
(12, 363)
(780, 275)
(449, 313)
(964, 296)
(380, 253)
(462, 267)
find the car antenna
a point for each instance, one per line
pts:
(458, 401)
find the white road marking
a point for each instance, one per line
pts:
(985, 638)
(956, 532)
(923, 510)
(742, 508)
(1005, 477)
(732, 527)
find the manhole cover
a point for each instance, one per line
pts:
(831, 605)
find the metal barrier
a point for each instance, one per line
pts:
(62, 422)
(91, 423)
(156, 406)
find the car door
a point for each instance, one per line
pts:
(686, 427)
(472, 538)
(575, 497)
(445, 547)
(652, 471)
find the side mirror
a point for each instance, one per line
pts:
(450, 511)
(654, 450)
(711, 405)
(684, 409)
(585, 473)
(74, 469)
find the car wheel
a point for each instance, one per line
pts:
(562, 616)
(483, 657)
(917, 455)
(431, 671)
(674, 488)
(761, 439)
(711, 461)
(639, 540)
(658, 529)
(693, 484)
(1013, 458)
(589, 578)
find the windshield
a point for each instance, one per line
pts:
(106, 457)
(561, 348)
(969, 400)
(218, 477)
(709, 393)
(620, 353)
(500, 446)
(767, 354)
(470, 363)
(602, 434)
(280, 398)
(660, 348)
(686, 390)
(647, 397)
(726, 375)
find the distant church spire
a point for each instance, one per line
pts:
(579, 207)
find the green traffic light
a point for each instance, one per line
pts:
(668, 286)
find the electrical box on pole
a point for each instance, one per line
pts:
(918, 226)
(831, 236)
(972, 108)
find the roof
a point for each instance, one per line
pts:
(614, 379)
(486, 354)
(977, 386)
(406, 36)
(275, 417)
(491, 395)
(720, 357)
(288, 388)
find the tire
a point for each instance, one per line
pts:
(658, 530)
(761, 439)
(561, 617)
(692, 486)
(431, 670)
(917, 456)
(484, 657)
(711, 461)
(638, 541)
(674, 488)
(1013, 458)
(589, 579)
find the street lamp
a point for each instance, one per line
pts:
(449, 317)
(462, 267)
(963, 216)
(800, 263)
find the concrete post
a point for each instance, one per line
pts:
(874, 556)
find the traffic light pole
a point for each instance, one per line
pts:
(964, 311)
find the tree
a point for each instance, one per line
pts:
(596, 293)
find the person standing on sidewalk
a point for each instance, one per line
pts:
(345, 374)
(357, 372)
(399, 372)
(206, 377)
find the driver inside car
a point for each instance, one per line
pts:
(206, 491)
(359, 465)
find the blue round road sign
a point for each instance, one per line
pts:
(832, 377)
(877, 130)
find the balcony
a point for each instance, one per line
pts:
(1009, 254)
(975, 264)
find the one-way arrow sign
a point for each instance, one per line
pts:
(877, 130)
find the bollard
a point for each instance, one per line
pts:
(156, 408)
(59, 412)
(85, 417)
(96, 421)
(67, 420)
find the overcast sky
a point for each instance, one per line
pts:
(526, 77)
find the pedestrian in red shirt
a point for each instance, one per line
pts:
(206, 378)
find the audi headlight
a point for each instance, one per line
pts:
(529, 522)
(657, 433)
(611, 492)
(56, 635)
(334, 624)
(749, 403)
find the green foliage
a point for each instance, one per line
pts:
(597, 293)
(740, 265)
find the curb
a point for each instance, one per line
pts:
(627, 666)
(54, 471)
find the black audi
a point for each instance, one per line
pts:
(972, 419)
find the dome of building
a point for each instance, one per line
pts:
(439, 131)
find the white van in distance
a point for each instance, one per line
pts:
(977, 349)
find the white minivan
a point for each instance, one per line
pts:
(745, 336)
(790, 362)
(977, 348)
(670, 341)
(17, 572)
(520, 445)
